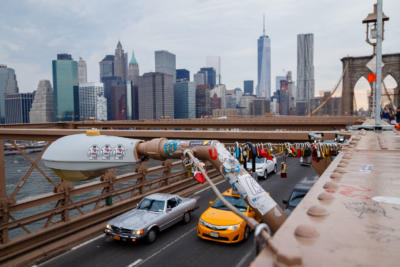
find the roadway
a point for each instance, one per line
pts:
(179, 245)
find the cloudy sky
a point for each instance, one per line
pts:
(34, 31)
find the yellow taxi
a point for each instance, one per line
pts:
(220, 224)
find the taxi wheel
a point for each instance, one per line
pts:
(186, 217)
(246, 233)
(151, 236)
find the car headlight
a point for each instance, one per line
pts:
(108, 227)
(139, 232)
(234, 227)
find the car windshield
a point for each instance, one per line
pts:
(296, 197)
(235, 201)
(258, 160)
(151, 205)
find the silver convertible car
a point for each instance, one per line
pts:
(153, 214)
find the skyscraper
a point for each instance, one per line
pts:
(165, 62)
(42, 109)
(305, 73)
(264, 65)
(278, 80)
(92, 103)
(215, 62)
(210, 77)
(156, 96)
(200, 78)
(182, 75)
(121, 62)
(248, 87)
(8, 85)
(184, 100)
(106, 67)
(82, 71)
(17, 107)
(203, 101)
(65, 77)
(133, 70)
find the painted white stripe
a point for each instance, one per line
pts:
(168, 245)
(136, 262)
(87, 242)
(208, 187)
(244, 259)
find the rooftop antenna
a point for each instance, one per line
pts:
(263, 24)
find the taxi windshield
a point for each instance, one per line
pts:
(235, 201)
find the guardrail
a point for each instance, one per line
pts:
(76, 212)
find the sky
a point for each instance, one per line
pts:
(33, 32)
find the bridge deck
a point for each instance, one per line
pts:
(351, 215)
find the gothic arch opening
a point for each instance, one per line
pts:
(362, 96)
(389, 94)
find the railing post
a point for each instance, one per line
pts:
(141, 169)
(65, 187)
(3, 196)
(167, 172)
(108, 177)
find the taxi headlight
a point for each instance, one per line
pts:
(202, 222)
(234, 227)
(108, 227)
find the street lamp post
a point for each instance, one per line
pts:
(376, 19)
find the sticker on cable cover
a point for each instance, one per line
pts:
(199, 142)
(366, 168)
(119, 152)
(93, 152)
(213, 153)
(106, 152)
(170, 147)
(388, 200)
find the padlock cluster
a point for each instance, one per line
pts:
(193, 170)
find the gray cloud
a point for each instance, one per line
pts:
(37, 30)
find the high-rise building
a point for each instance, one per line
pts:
(108, 82)
(264, 65)
(305, 73)
(92, 103)
(284, 98)
(184, 100)
(133, 70)
(82, 71)
(215, 62)
(65, 77)
(106, 67)
(165, 62)
(132, 101)
(156, 96)
(200, 78)
(118, 100)
(248, 87)
(230, 99)
(42, 109)
(244, 104)
(278, 80)
(8, 85)
(17, 107)
(121, 62)
(203, 101)
(218, 96)
(292, 93)
(210, 77)
(259, 106)
(182, 75)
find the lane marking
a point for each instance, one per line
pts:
(87, 242)
(136, 262)
(244, 259)
(208, 187)
(167, 246)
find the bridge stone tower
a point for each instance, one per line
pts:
(357, 69)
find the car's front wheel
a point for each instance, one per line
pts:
(151, 236)
(246, 233)
(265, 174)
(186, 217)
(275, 169)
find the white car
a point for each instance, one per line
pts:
(264, 166)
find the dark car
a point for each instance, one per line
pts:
(298, 193)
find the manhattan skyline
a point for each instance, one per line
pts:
(85, 30)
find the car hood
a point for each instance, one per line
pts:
(220, 217)
(135, 219)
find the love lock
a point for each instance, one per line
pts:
(199, 177)
(258, 238)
